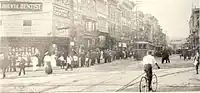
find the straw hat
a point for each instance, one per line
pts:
(46, 53)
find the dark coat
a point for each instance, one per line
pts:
(165, 54)
(4, 63)
(22, 63)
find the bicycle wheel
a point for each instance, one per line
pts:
(143, 85)
(154, 82)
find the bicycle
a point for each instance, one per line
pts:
(144, 83)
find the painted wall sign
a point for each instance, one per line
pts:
(61, 12)
(20, 6)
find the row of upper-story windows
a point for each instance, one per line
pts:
(88, 3)
(126, 14)
(113, 12)
(62, 2)
(25, 22)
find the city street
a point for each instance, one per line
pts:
(120, 75)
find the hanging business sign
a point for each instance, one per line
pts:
(20, 6)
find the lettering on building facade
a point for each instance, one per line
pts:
(62, 28)
(61, 12)
(20, 6)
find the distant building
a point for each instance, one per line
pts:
(194, 25)
(178, 43)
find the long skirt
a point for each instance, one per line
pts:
(48, 68)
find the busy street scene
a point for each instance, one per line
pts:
(99, 46)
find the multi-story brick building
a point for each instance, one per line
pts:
(126, 8)
(30, 26)
(102, 22)
(194, 25)
(112, 22)
(86, 23)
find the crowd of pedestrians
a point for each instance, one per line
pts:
(66, 61)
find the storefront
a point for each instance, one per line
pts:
(29, 46)
(31, 27)
(88, 41)
(105, 41)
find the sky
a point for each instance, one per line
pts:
(173, 15)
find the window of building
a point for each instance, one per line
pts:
(144, 46)
(0, 22)
(27, 23)
(140, 46)
(27, 27)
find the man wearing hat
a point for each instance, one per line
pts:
(21, 61)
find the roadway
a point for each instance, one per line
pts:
(119, 75)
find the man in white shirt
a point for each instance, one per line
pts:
(75, 60)
(196, 58)
(148, 61)
(69, 63)
(62, 61)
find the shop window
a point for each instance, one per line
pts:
(27, 23)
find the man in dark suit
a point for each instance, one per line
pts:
(165, 56)
(21, 65)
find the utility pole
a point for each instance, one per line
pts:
(71, 26)
(136, 20)
(136, 7)
(199, 28)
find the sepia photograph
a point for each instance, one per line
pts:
(62, 46)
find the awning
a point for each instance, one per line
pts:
(102, 33)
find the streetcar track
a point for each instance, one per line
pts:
(122, 88)
(96, 84)
(43, 84)
(129, 84)
(65, 84)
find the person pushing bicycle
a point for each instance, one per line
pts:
(148, 61)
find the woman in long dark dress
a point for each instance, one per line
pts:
(4, 63)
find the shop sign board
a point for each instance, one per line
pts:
(61, 12)
(20, 6)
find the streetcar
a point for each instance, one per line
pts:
(141, 48)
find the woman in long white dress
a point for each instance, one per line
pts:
(47, 64)
(34, 60)
(53, 60)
